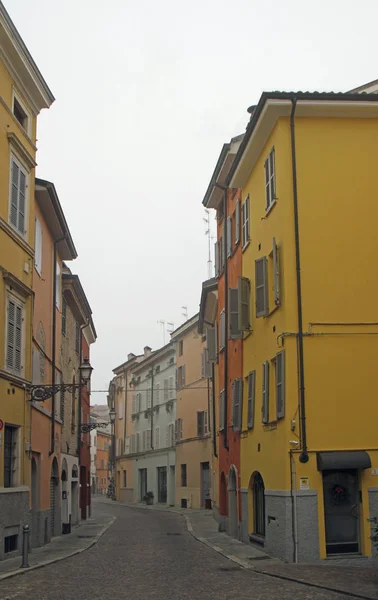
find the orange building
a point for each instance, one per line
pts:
(53, 244)
(103, 444)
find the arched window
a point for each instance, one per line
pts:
(258, 489)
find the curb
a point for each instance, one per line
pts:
(55, 560)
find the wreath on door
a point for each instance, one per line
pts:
(339, 494)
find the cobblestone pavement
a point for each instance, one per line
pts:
(150, 555)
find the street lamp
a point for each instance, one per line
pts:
(112, 415)
(40, 393)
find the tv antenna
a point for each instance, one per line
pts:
(185, 312)
(162, 323)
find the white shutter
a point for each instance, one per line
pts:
(176, 430)
(251, 399)
(265, 393)
(261, 287)
(280, 384)
(138, 449)
(170, 388)
(233, 312)
(58, 286)
(166, 383)
(244, 288)
(237, 222)
(216, 259)
(38, 246)
(276, 274)
(228, 231)
(211, 336)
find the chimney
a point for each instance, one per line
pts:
(147, 351)
(130, 356)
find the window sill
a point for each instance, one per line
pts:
(16, 237)
(270, 208)
(246, 246)
(14, 490)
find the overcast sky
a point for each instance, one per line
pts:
(146, 93)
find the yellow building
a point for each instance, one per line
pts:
(23, 93)
(193, 412)
(307, 306)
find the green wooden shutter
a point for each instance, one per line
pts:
(280, 384)
(251, 399)
(233, 312)
(265, 393)
(261, 287)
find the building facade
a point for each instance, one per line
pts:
(103, 447)
(154, 414)
(193, 418)
(224, 339)
(308, 459)
(24, 93)
(47, 362)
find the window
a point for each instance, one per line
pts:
(157, 438)
(245, 222)
(206, 370)
(58, 289)
(138, 402)
(38, 247)
(95, 441)
(17, 210)
(125, 479)
(270, 180)
(265, 392)
(181, 376)
(170, 435)
(233, 295)
(183, 476)
(211, 344)
(237, 396)
(237, 222)
(77, 338)
(222, 341)
(148, 441)
(202, 426)
(181, 347)
(157, 392)
(222, 407)
(178, 429)
(157, 369)
(276, 274)
(14, 335)
(228, 234)
(280, 384)
(21, 114)
(62, 399)
(10, 456)
(262, 308)
(244, 290)
(64, 316)
(170, 388)
(251, 399)
(149, 398)
(10, 543)
(166, 384)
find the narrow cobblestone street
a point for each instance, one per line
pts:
(150, 554)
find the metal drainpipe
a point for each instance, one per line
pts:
(225, 439)
(214, 416)
(125, 414)
(53, 350)
(304, 455)
(80, 391)
(152, 408)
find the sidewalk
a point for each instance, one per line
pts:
(358, 579)
(82, 537)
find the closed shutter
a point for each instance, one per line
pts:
(206, 425)
(120, 410)
(237, 222)
(211, 337)
(224, 246)
(158, 390)
(216, 259)
(280, 384)
(183, 375)
(176, 429)
(276, 274)
(220, 256)
(58, 288)
(144, 440)
(228, 231)
(166, 383)
(38, 246)
(251, 399)
(148, 439)
(234, 315)
(222, 408)
(170, 388)
(261, 287)
(157, 438)
(14, 337)
(138, 441)
(222, 330)
(180, 429)
(245, 222)
(265, 393)
(167, 436)
(21, 203)
(208, 367)
(244, 289)
(237, 392)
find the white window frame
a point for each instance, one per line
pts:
(26, 172)
(270, 180)
(38, 244)
(58, 285)
(11, 297)
(28, 128)
(245, 223)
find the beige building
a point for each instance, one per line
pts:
(124, 428)
(192, 426)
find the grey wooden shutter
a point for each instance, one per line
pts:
(208, 367)
(280, 384)
(21, 203)
(221, 411)
(13, 217)
(251, 399)
(203, 360)
(237, 392)
(237, 222)
(233, 312)
(276, 274)
(244, 289)
(247, 219)
(216, 259)
(228, 230)
(261, 287)
(211, 343)
(224, 246)
(265, 393)
(222, 330)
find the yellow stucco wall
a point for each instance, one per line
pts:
(337, 179)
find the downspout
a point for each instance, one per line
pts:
(302, 404)
(80, 392)
(125, 414)
(214, 416)
(293, 478)
(53, 350)
(225, 232)
(152, 407)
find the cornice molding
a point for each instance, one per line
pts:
(16, 238)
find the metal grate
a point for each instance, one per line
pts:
(10, 543)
